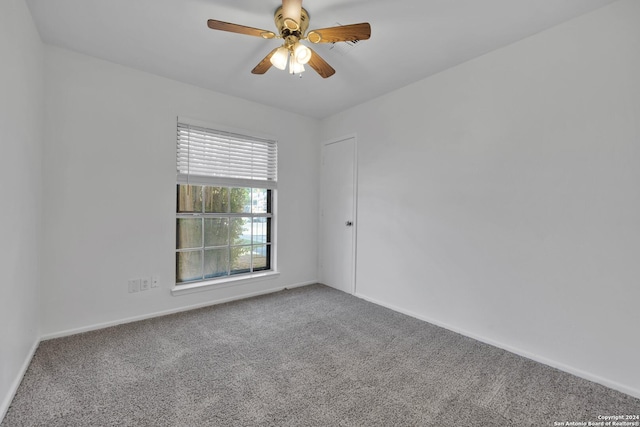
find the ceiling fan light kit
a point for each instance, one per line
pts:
(292, 21)
(295, 67)
(302, 53)
(280, 58)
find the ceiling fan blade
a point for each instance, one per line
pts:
(265, 64)
(341, 33)
(240, 29)
(320, 65)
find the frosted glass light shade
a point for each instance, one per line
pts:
(302, 53)
(294, 66)
(280, 58)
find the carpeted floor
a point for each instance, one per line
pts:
(310, 356)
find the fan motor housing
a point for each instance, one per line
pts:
(286, 30)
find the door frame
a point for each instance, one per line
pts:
(354, 228)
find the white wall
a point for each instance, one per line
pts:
(501, 198)
(21, 122)
(110, 190)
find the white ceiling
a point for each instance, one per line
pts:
(410, 40)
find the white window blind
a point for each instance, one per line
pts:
(209, 156)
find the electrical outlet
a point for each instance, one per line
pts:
(155, 282)
(145, 283)
(134, 285)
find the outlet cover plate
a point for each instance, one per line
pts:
(134, 285)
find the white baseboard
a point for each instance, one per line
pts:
(537, 358)
(171, 311)
(6, 402)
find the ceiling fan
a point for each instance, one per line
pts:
(292, 21)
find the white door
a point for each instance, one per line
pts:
(337, 215)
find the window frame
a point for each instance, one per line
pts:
(203, 215)
(217, 181)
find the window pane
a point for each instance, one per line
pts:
(216, 199)
(188, 233)
(241, 231)
(216, 262)
(240, 200)
(188, 266)
(240, 259)
(216, 232)
(189, 198)
(212, 242)
(260, 257)
(260, 230)
(259, 200)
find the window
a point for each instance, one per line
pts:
(225, 204)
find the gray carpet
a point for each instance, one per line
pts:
(311, 356)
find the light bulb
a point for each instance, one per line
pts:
(280, 57)
(302, 53)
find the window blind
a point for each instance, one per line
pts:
(208, 156)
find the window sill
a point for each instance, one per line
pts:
(222, 283)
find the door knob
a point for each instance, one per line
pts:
(348, 223)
